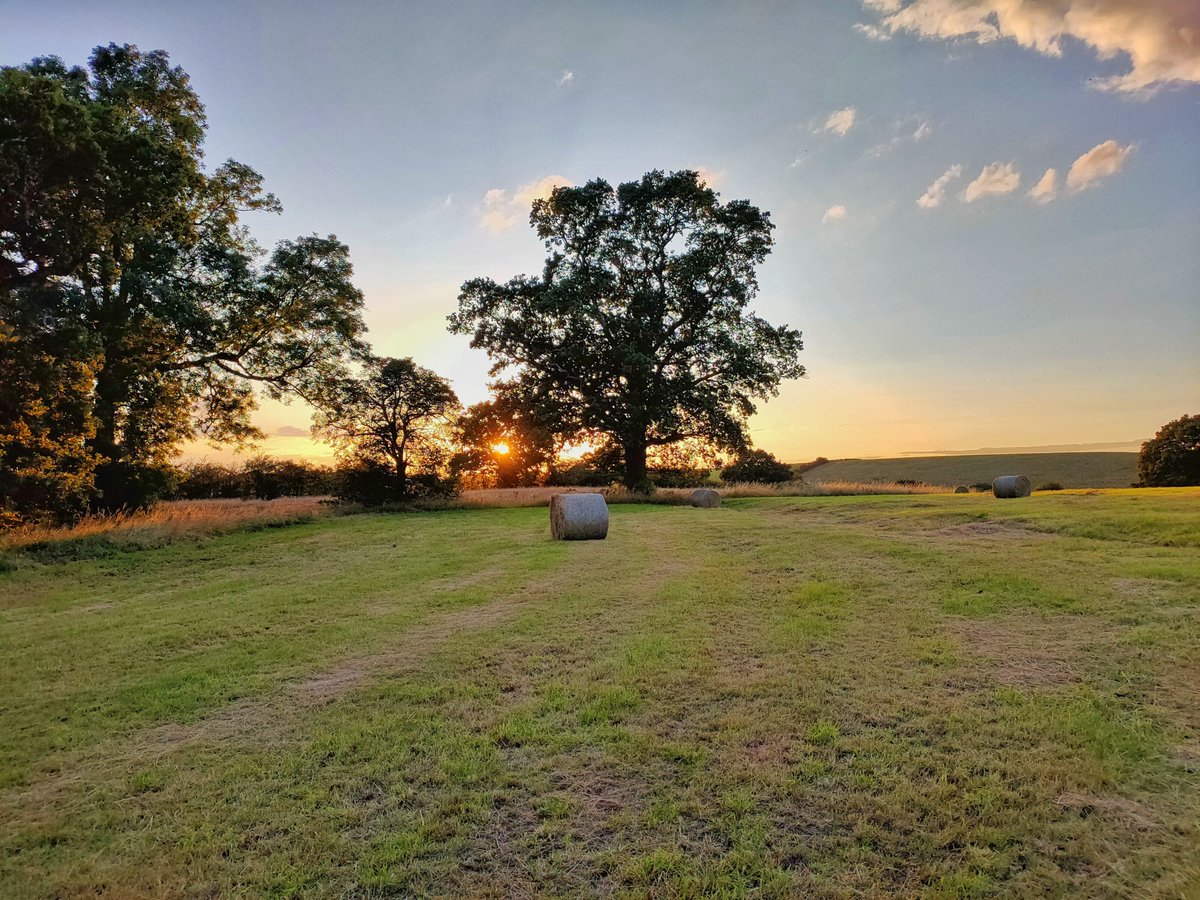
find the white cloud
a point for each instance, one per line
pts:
(566, 79)
(1102, 161)
(839, 122)
(502, 209)
(1046, 189)
(833, 214)
(936, 192)
(998, 178)
(1160, 38)
(872, 32)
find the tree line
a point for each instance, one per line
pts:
(138, 312)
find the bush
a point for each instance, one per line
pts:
(208, 481)
(261, 478)
(130, 484)
(1049, 486)
(758, 467)
(801, 468)
(583, 474)
(679, 477)
(373, 484)
(1172, 457)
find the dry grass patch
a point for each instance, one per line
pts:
(1036, 651)
(162, 524)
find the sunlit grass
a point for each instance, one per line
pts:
(924, 695)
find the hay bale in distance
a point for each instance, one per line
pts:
(962, 489)
(705, 498)
(578, 517)
(1008, 486)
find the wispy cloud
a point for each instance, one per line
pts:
(566, 79)
(1161, 38)
(833, 214)
(502, 208)
(908, 131)
(838, 122)
(936, 192)
(872, 32)
(292, 431)
(1046, 189)
(1102, 161)
(998, 178)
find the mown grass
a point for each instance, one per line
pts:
(1072, 470)
(829, 696)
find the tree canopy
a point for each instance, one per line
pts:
(122, 251)
(1172, 457)
(504, 442)
(637, 332)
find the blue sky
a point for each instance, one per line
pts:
(418, 132)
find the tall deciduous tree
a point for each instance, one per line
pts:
(637, 331)
(114, 237)
(397, 413)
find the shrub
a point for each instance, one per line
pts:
(1172, 457)
(374, 484)
(759, 467)
(801, 468)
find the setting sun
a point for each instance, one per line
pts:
(501, 448)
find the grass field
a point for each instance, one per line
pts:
(830, 696)
(1071, 470)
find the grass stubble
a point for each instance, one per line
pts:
(831, 696)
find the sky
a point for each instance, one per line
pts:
(987, 211)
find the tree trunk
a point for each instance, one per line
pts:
(636, 475)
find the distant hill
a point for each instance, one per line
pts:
(1071, 470)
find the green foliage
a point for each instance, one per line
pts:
(758, 466)
(118, 248)
(1172, 457)
(260, 477)
(392, 430)
(46, 465)
(637, 331)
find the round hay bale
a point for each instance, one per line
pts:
(962, 489)
(705, 498)
(1008, 486)
(578, 517)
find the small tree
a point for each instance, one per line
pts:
(502, 442)
(760, 467)
(392, 423)
(1172, 457)
(637, 333)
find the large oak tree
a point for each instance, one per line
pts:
(637, 332)
(123, 253)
